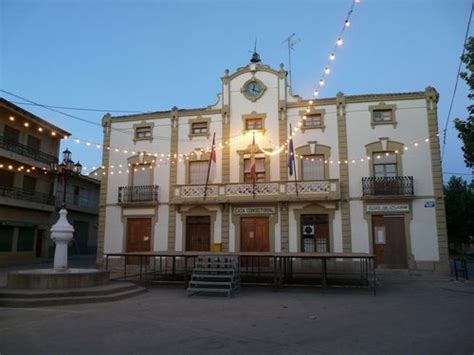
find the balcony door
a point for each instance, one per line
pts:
(312, 167)
(142, 175)
(390, 247)
(138, 237)
(198, 233)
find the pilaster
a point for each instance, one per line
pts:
(173, 178)
(106, 125)
(343, 172)
(436, 167)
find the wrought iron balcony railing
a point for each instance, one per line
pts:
(384, 186)
(26, 151)
(26, 195)
(271, 191)
(136, 194)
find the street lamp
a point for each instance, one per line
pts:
(66, 168)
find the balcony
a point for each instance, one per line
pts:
(398, 186)
(264, 192)
(146, 194)
(18, 197)
(26, 151)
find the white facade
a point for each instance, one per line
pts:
(346, 133)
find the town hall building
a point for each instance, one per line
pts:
(367, 175)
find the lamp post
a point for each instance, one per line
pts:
(62, 231)
(66, 168)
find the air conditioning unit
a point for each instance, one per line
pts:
(308, 230)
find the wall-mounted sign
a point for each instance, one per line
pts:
(388, 208)
(429, 204)
(254, 210)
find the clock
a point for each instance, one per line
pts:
(253, 89)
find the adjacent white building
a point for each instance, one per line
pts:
(368, 175)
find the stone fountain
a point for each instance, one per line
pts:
(62, 285)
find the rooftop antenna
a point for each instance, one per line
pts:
(291, 42)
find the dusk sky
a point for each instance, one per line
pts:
(152, 55)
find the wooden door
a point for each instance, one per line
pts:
(254, 234)
(138, 237)
(389, 241)
(198, 233)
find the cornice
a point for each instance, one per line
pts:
(254, 68)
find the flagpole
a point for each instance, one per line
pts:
(209, 165)
(255, 165)
(293, 158)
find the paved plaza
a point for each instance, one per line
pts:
(406, 317)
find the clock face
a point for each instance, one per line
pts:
(253, 89)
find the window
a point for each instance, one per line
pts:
(253, 123)
(11, 134)
(29, 184)
(259, 170)
(6, 238)
(313, 120)
(143, 132)
(381, 116)
(314, 233)
(6, 178)
(198, 172)
(142, 175)
(199, 128)
(33, 142)
(313, 167)
(26, 239)
(385, 164)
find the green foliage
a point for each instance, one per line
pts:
(459, 202)
(466, 127)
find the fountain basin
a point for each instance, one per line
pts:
(54, 279)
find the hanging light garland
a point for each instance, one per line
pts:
(163, 161)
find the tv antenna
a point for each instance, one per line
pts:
(291, 42)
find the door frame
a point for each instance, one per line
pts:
(124, 219)
(273, 219)
(151, 231)
(312, 208)
(408, 217)
(197, 211)
(186, 231)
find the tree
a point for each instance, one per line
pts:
(466, 128)
(459, 202)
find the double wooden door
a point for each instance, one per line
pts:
(390, 246)
(254, 234)
(198, 233)
(138, 237)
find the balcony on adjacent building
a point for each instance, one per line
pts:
(397, 186)
(18, 197)
(146, 194)
(26, 151)
(261, 191)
